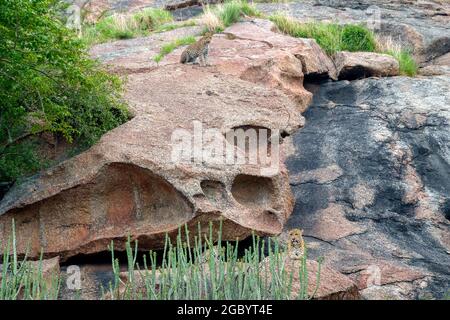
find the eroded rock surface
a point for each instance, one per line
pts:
(371, 179)
(129, 184)
(370, 172)
(358, 65)
(252, 51)
(47, 269)
(135, 55)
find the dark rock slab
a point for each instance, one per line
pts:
(371, 178)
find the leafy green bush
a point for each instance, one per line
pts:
(48, 84)
(126, 26)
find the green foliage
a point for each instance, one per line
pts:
(126, 26)
(22, 279)
(18, 160)
(357, 38)
(169, 47)
(197, 269)
(150, 18)
(326, 35)
(408, 65)
(233, 10)
(48, 83)
(331, 37)
(230, 12)
(250, 10)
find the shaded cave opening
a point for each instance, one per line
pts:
(313, 82)
(253, 191)
(103, 259)
(446, 209)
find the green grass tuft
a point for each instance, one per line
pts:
(408, 65)
(217, 18)
(331, 37)
(149, 19)
(169, 47)
(357, 38)
(231, 11)
(126, 26)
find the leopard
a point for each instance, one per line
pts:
(198, 50)
(296, 244)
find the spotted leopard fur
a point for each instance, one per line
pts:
(198, 50)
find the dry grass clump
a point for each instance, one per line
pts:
(210, 20)
(217, 18)
(388, 45)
